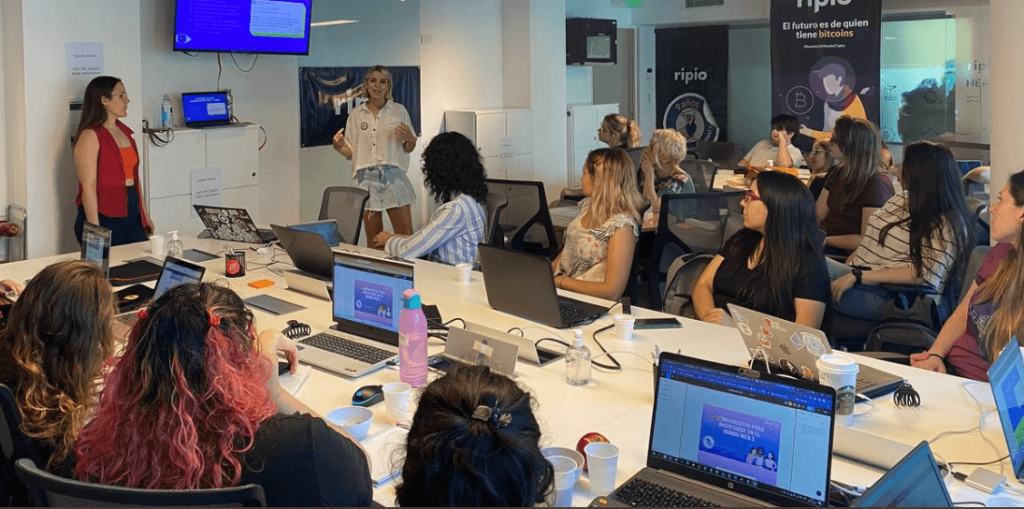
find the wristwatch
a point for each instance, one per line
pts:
(857, 273)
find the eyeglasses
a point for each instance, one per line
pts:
(815, 152)
(751, 197)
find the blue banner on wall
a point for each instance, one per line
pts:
(327, 94)
(826, 58)
(692, 82)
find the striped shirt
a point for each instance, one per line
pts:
(450, 237)
(937, 252)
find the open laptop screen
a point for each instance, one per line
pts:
(368, 294)
(177, 272)
(205, 108)
(1006, 376)
(96, 246)
(764, 436)
(328, 229)
(915, 481)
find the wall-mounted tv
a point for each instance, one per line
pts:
(251, 26)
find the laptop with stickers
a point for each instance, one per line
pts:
(794, 349)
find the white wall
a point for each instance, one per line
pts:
(39, 157)
(600, 9)
(550, 145)
(750, 85)
(268, 96)
(674, 12)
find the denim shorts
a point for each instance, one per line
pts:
(388, 186)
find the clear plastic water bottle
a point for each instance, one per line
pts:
(166, 113)
(175, 247)
(412, 340)
(577, 361)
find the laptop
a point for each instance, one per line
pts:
(327, 228)
(226, 223)
(205, 109)
(1006, 376)
(366, 304)
(309, 250)
(528, 349)
(96, 246)
(175, 272)
(794, 349)
(734, 437)
(522, 284)
(916, 481)
(464, 347)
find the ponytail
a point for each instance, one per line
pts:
(633, 134)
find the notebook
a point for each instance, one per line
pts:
(96, 246)
(732, 436)
(205, 109)
(794, 349)
(175, 272)
(226, 223)
(915, 481)
(522, 284)
(366, 303)
(1006, 376)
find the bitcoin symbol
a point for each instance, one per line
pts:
(799, 100)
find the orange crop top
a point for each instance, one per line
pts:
(129, 158)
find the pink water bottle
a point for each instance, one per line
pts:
(412, 340)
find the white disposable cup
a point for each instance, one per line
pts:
(602, 462)
(565, 478)
(465, 272)
(396, 400)
(156, 244)
(624, 326)
(839, 372)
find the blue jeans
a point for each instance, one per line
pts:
(867, 302)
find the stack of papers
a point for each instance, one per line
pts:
(292, 383)
(385, 451)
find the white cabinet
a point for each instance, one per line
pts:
(583, 121)
(503, 136)
(235, 150)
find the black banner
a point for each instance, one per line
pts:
(692, 82)
(826, 59)
(327, 94)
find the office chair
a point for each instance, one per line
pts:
(345, 205)
(496, 203)
(702, 172)
(14, 445)
(54, 491)
(525, 224)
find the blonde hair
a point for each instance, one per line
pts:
(614, 188)
(387, 74)
(626, 129)
(668, 145)
(1005, 287)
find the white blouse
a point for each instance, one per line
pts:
(373, 138)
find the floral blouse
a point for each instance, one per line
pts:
(585, 256)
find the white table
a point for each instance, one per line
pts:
(617, 405)
(726, 180)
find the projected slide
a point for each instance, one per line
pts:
(747, 445)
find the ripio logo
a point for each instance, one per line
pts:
(687, 76)
(818, 4)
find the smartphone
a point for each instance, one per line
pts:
(656, 323)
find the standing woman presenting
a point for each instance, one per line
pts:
(377, 139)
(107, 163)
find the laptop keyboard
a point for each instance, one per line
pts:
(572, 315)
(348, 348)
(128, 319)
(642, 493)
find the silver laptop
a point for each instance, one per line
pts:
(470, 348)
(528, 349)
(175, 272)
(734, 437)
(366, 304)
(794, 350)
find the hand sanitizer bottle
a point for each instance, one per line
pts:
(577, 361)
(175, 247)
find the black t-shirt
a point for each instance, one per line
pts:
(301, 462)
(812, 283)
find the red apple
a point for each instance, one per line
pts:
(588, 438)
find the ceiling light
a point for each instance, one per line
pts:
(335, 22)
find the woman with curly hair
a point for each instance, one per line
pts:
(454, 174)
(474, 442)
(57, 337)
(187, 406)
(599, 243)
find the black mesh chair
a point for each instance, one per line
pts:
(496, 203)
(13, 444)
(702, 172)
(525, 224)
(689, 223)
(345, 205)
(54, 491)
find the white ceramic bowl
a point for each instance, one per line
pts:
(354, 419)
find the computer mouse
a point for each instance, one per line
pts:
(368, 395)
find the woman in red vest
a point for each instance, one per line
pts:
(107, 162)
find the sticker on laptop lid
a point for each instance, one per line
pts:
(814, 345)
(745, 329)
(797, 342)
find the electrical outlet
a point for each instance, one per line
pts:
(426, 39)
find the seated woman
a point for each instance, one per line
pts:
(662, 174)
(913, 240)
(821, 164)
(991, 312)
(57, 337)
(775, 264)
(619, 132)
(454, 174)
(474, 442)
(187, 406)
(857, 188)
(599, 243)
